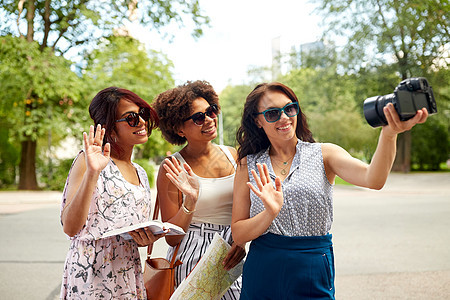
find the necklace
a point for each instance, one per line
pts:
(285, 165)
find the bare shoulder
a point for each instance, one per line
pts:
(330, 150)
(161, 177)
(233, 152)
(242, 166)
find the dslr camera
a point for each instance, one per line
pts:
(409, 96)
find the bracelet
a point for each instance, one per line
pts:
(187, 211)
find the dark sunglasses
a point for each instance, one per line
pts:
(274, 114)
(133, 119)
(199, 118)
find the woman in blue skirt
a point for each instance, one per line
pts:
(282, 199)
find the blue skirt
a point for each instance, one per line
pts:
(282, 267)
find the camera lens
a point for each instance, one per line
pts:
(409, 96)
(373, 109)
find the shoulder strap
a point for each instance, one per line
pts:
(180, 157)
(155, 217)
(229, 155)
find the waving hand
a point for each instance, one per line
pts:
(183, 178)
(96, 159)
(271, 196)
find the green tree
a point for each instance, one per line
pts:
(39, 95)
(333, 114)
(431, 141)
(412, 34)
(63, 25)
(8, 157)
(59, 26)
(430, 145)
(232, 100)
(125, 62)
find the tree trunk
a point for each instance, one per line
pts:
(31, 8)
(27, 166)
(402, 162)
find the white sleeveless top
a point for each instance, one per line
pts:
(215, 198)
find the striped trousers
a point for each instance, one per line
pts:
(192, 248)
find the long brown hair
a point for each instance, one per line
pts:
(252, 139)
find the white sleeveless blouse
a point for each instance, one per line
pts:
(308, 196)
(215, 199)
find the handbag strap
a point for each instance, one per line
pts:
(155, 217)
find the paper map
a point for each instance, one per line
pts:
(209, 280)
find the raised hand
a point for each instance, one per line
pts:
(396, 126)
(272, 197)
(184, 179)
(96, 159)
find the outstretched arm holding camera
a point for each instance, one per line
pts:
(374, 175)
(282, 201)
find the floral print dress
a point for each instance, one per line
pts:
(108, 268)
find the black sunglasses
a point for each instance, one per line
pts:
(199, 118)
(133, 119)
(274, 114)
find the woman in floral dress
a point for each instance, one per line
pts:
(105, 190)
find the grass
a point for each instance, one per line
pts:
(443, 167)
(339, 180)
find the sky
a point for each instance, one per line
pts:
(240, 35)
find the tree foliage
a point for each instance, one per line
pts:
(125, 62)
(412, 32)
(430, 145)
(63, 25)
(8, 158)
(39, 92)
(232, 100)
(332, 109)
(396, 39)
(66, 27)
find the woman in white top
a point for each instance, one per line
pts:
(202, 171)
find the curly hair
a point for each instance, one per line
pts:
(174, 105)
(250, 137)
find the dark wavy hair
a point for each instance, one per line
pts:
(252, 139)
(103, 109)
(174, 105)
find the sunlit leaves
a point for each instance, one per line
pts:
(36, 87)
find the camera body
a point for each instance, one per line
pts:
(409, 96)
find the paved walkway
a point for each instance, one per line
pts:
(394, 243)
(389, 244)
(18, 201)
